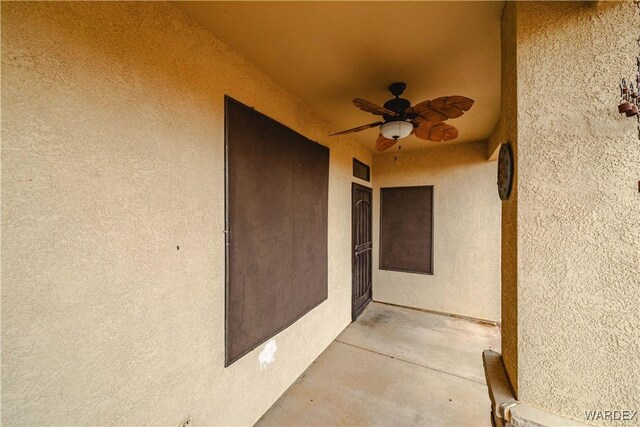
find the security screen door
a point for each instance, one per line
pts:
(361, 258)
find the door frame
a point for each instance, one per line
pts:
(354, 187)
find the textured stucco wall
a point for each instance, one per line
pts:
(578, 209)
(466, 279)
(506, 130)
(112, 156)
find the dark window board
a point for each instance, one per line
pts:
(276, 221)
(361, 170)
(406, 229)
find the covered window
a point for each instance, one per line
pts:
(406, 229)
(361, 170)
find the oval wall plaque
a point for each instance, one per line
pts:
(505, 171)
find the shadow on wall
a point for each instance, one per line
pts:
(444, 157)
(125, 64)
(179, 61)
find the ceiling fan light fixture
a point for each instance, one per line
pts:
(396, 130)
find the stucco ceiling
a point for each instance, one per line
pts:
(328, 53)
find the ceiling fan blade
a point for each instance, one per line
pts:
(358, 129)
(443, 132)
(452, 106)
(461, 102)
(383, 143)
(435, 112)
(449, 106)
(370, 107)
(449, 111)
(436, 132)
(420, 106)
(432, 116)
(423, 130)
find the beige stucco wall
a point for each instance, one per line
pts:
(112, 156)
(506, 131)
(578, 209)
(466, 279)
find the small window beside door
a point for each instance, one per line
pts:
(406, 229)
(360, 170)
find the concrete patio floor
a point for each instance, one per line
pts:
(394, 366)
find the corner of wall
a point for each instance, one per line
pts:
(507, 131)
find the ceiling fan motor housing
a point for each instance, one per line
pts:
(397, 105)
(397, 88)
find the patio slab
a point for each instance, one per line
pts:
(394, 366)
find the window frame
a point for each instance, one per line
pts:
(366, 167)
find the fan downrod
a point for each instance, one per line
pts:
(397, 88)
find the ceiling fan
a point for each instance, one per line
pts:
(425, 119)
